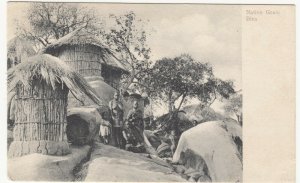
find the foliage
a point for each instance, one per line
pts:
(165, 125)
(233, 106)
(124, 34)
(183, 77)
(51, 21)
(128, 38)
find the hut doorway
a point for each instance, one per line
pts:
(77, 130)
(41, 86)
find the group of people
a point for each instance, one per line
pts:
(127, 132)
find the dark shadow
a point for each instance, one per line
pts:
(77, 130)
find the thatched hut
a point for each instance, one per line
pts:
(18, 50)
(88, 56)
(41, 87)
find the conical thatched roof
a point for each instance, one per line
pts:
(53, 71)
(77, 37)
(81, 37)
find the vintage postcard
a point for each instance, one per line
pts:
(120, 92)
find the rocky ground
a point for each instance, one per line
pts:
(206, 153)
(211, 148)
(101, 163)
(110, 164)
(38, 167)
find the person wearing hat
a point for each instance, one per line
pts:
(116, 109)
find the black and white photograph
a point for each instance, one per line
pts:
(120, 92)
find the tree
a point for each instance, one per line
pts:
(128, 37)
(233, 106)
(125, 34)
(51, 21)
(183, 77)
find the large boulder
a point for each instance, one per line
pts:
(103, 90)
(210, 148)
(83, 124)
(38, 167)
(110, 164)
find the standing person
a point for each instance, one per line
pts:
(105, 128)
(116, 109)
(135, 120)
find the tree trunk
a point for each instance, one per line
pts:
(181, 102)
(170, 102)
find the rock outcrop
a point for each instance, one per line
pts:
(83, 125)
(38, 167)
(209, 148)
(110, 164)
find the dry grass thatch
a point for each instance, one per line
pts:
(81, 37)
(77, 37)
(54, 72)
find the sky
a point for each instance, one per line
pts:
(209, 33)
